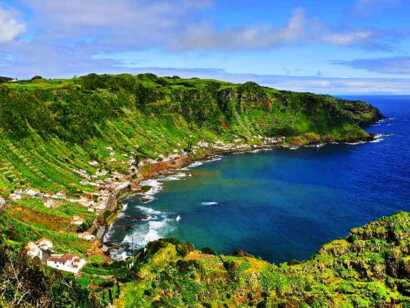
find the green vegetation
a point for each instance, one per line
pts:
(52, 130)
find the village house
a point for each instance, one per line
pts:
(86, 236)
(77, 220)
(83, 174)
(15, 196)
(86, 201)
(32, 193)
(60, 195)
(33, 251)
(45, 244)
(39, 249)
(101, 173)
(51, 203)
(66, 262)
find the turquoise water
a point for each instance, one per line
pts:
(280, 205)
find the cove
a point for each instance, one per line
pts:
(280, 205)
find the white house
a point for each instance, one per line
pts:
(86, 236)
(39, 249)
(33, 251)
(77, 220)
(45, 244)
(67, 263)
(61, 195)
(15, 196)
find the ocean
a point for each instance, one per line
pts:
(280, 205)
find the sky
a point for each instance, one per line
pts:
(335, 47)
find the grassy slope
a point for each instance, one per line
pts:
(51, 128)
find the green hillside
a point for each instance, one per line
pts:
(50, 127)
(68, 146)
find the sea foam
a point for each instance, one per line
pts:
(156, 226)
(210, 203)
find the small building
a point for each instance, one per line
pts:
(15, 196)
(77, 220)
(51, 203)
(45, 244)
(67, 262)
(86, 236)
(40, 249)
(33, 251)
(32, 193)
(61, 195)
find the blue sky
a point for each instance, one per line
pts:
(337, 47)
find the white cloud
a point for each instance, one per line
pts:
(177, 25)
(300, 29)
(10, 27)
(346, 39)
(369, 7)
(118, 14)
(370, 3)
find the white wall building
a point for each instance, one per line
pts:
(67, 263)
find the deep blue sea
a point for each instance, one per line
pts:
(280, 205)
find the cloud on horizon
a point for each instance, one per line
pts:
(367, 7)
(389, 65)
